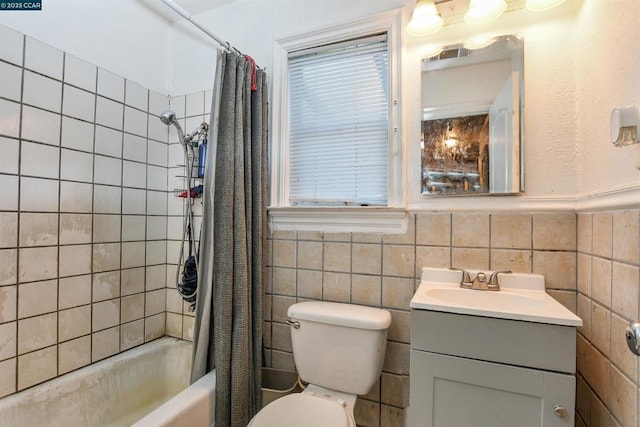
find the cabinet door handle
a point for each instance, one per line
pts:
(560, 411)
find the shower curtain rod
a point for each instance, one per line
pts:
(180, 11)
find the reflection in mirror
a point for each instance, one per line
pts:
(472, 123)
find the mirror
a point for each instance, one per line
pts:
(472, 119)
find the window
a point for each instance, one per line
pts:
(336, 154)
(339, 123)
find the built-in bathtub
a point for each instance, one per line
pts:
(126, 389)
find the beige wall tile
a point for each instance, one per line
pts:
(600, 416)
(602, 234)
(366, 290)
(155, 302)
(583, 400)
(374, 393)
(367, 413)
(9, 229)
(518, 261)
(626, 236)
(75, 229)
(174, 301)
(406, 238)
(8, 303)
(554, 231)
(8, 376)
(396, 359)
(336, 237)
(626, 361)
(390, 416)
(336, 287)
(75, 260)
(337, 257)
(566, 298)
(284, 281)
(310, 255)
(366, 237)
(601, 328)
(8, 340)
(558, 268)
(394, 390)
(281, 337)
(623, 398)
(132, 281)
(154, 326)
(106, 256)
(366, 258)
(433, 229)
(74, 291)
(38, 264)
(106, 286)
(8, 266)
(584, 312)
(106, 228)
(36, 367)
(310, 235)
(400, 329)
(511, 231)
(309, 284)
(38, 229)
(584, 274)
(131, 334)
(106, 314)
(173, 328)
(585, 232)
(583, 358)
(470, 230)
(601, 280)
(601, 376)
(266, 334)
(74, 354)
(74, 322)
(284, 234)
(282, 360)
(625, 290)
(156, 277)
(397, 292)
(284, 253)
(105, 343)
(37, 332)
(132, 308)
(432, 256)
(133, 255)
(398, 260)
(187, 328)
(469, 258)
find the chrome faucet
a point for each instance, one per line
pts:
(480, 283)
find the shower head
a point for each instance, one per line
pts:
(169, 118)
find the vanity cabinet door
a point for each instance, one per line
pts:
(449, 391)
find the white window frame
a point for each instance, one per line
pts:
(282, 216)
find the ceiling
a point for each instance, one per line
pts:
(198, 6)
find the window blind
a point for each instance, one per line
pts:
(339, 124)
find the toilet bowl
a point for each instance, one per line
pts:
(339, 350)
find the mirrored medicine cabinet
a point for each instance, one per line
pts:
(473, 119)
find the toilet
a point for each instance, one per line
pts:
(338, 350)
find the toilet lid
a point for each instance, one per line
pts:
(299, 409)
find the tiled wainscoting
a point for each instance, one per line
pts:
(83, 208)
(383, 271)
(608, 288)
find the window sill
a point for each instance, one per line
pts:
(339, 219)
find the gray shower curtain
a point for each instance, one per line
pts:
(228, 323)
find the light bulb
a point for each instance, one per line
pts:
(483, 11)
(425, 19)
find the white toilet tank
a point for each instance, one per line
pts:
(339, 346)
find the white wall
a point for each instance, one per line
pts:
(127, 37)
(608, 72)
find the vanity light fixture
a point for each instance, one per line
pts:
(479, 42)
(451, 140)
(483, 11)
(540, 5)
(431, 51)
(425, 19)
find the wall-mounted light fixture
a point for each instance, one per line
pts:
(425, 19)
(483, 11)
(624, 126)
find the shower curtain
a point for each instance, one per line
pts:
(228, 323)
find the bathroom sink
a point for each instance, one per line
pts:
(521, 297)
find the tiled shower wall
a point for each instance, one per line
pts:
(191, 110)
(83, 213)
(608, 293)
(384, 271)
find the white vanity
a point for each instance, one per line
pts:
(490, 358)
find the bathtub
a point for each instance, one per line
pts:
(118, 391)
